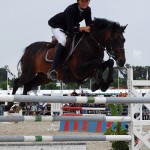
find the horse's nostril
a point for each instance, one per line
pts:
(120, 63)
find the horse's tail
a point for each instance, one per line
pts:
(21, 61)
(20, 64)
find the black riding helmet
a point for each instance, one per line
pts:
(86, 0)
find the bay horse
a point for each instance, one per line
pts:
(85, 62)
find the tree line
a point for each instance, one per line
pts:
(139, 73)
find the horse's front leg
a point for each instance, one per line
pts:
(108, 64)
(109, 79)
(99, 81)
(91, 67)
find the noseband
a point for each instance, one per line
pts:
(113, 52)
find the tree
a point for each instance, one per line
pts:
(3, 74)
(3, 85)
(49, 86)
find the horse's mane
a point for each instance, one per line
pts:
(101, 23)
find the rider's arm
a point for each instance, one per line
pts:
(88, 18)
(88, 21)
(85, 29)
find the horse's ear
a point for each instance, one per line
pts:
(124, 27)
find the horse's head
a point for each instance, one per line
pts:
(110, 36)
(115, 43)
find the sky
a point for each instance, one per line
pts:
(23, 22)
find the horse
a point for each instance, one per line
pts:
(78, 64)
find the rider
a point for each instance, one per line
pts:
(68, 21)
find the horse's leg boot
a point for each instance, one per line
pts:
(52, 74)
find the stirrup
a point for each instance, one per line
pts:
(52, 74)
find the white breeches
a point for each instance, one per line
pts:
(59, 35)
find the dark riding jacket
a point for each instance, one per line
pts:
(71, 17)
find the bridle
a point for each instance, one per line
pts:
(98, 43)
(110, 53)
(113, 53)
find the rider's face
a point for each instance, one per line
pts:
(83, 3)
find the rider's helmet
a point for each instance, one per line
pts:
(86, 0)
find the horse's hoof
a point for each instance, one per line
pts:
(94, 87)
(52, 75)
(104, 87)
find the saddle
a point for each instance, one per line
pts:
(72, 42)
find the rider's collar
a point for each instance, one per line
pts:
(81, 10)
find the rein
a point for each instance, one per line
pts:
(98, 43)
(74, 46)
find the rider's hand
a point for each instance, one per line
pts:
(85, 29)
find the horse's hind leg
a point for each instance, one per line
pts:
(26, 89)
(24, 79)
(20, 82)
(15, 88)
(39, 79)
(23, 104)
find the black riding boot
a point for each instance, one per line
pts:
(52, 74)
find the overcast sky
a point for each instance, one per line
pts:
(23, 22)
